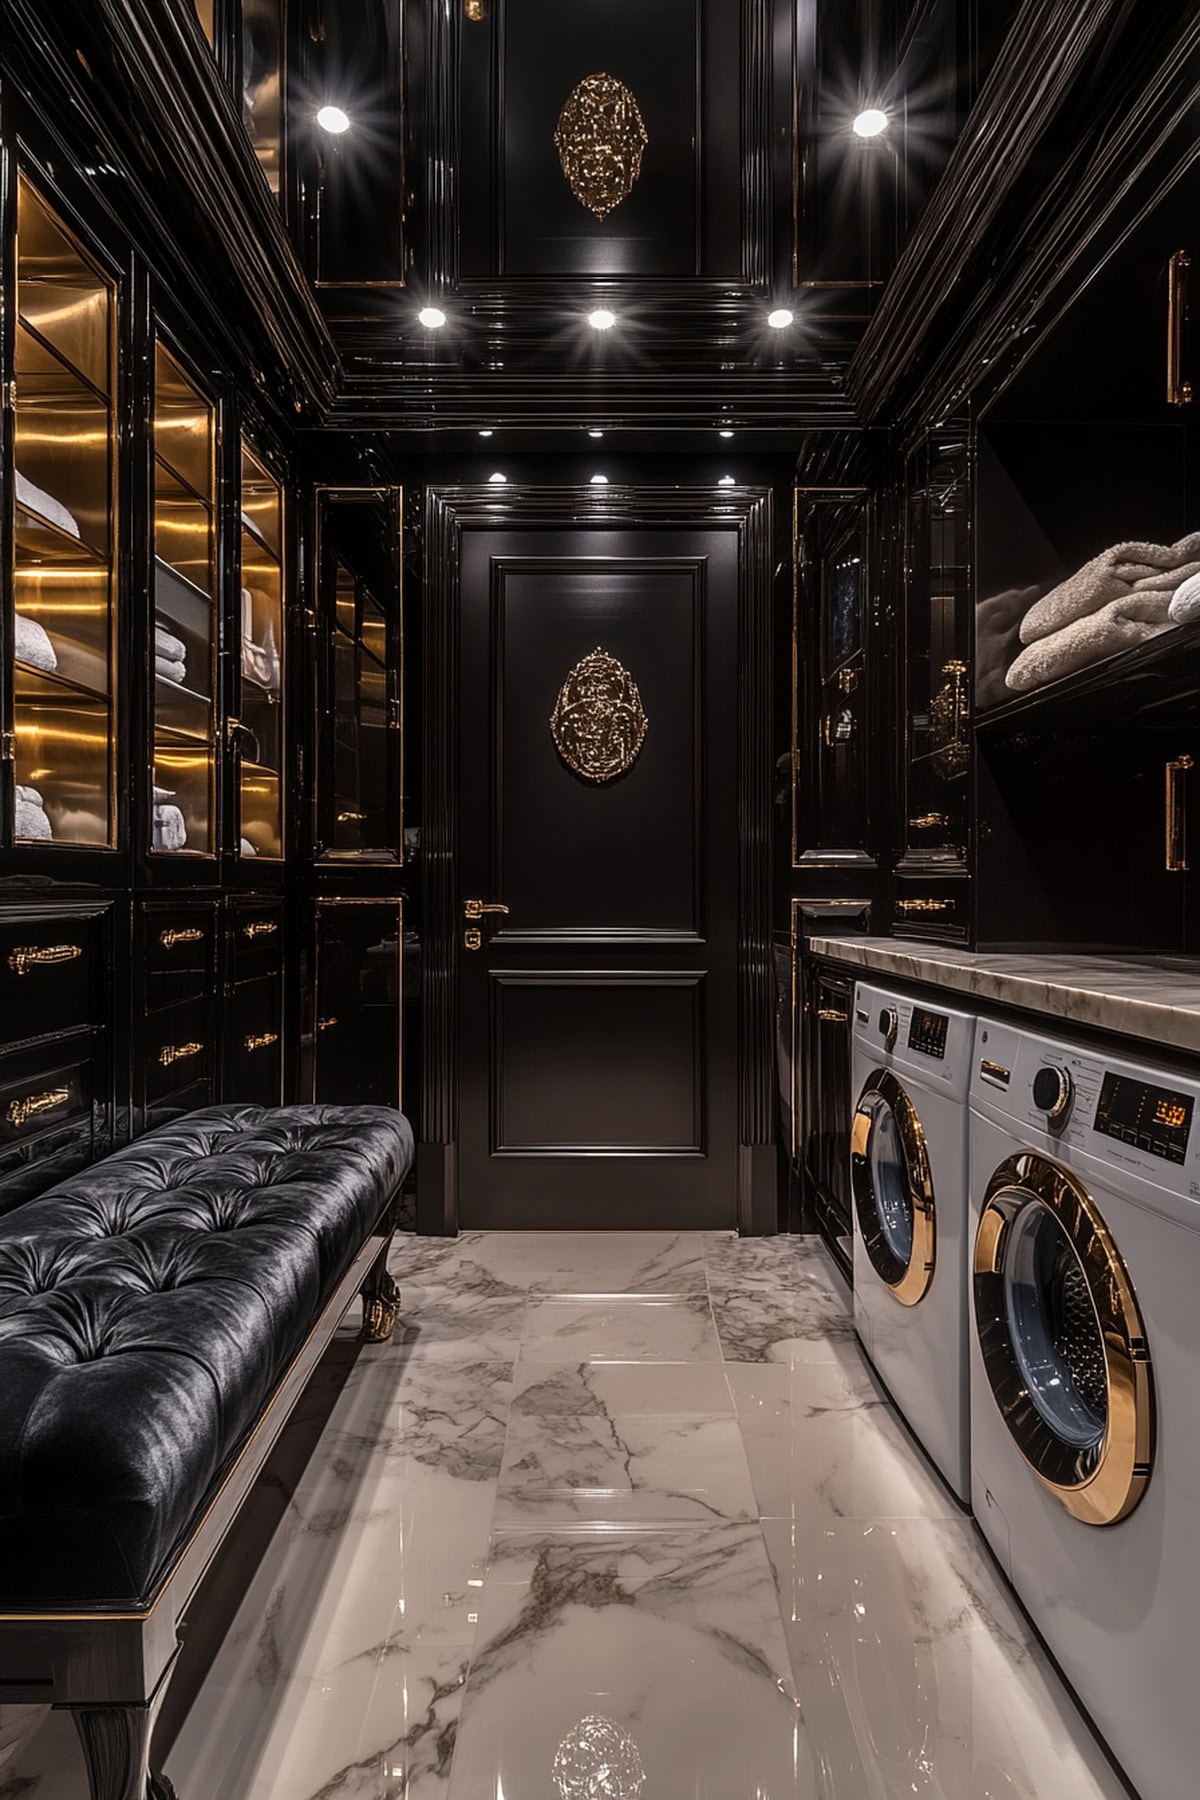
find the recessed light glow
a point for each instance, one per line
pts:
(870, 123)
(726, 481)
(497, 477)
(332, 118)
(432, 317)
(599, 480)
(727, 434)
(485, 434)
(596, 434)
(780, 319)
(602, 319)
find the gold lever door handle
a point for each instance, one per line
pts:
(475, 909)
(1176, 816)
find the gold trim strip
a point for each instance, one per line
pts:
(913, 1283)
(1176, 815)
(32, 956)
(21, 1111)
(1179, 391)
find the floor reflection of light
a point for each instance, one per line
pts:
(597, 1760)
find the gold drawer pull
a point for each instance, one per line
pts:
(261, 1040)
(21, 1111)
(173, 1053)
(259, 928)
(924, 906)
(1176, 815)
(1179, 388)
(831, 1016)
(33, 956)
(929, 821)
(190, 934)
(326, 1024)
(347, 818)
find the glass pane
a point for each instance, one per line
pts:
(64, 565)
(185, 614)
(262, 84)
(261, 831)
(890, 1185)
(1055, 1332)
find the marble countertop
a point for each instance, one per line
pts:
(1154, 998)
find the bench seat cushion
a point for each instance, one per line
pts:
(148, 1308)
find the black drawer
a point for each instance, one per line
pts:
(931, 907)
(178, 1050)
(42, 1099)
(255, 941)
(175, 1105)
(179, 951)
(256, 1051)
(47, 976)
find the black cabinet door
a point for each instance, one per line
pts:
(598, 1013)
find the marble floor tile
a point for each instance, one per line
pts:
(823, 1443)
(800, 1315)
(634, 1389)
(677, 1329)
(917, 1675)
(685, 1660)
(613, 1467)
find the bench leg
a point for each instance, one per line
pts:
(116, 1749)
(381, 1300)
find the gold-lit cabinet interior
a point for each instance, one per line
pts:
(248, 39)
(64, 581)
(260, 737)
(359, 783)
(206, 13)
(184, 629)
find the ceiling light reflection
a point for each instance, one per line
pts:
(432, 317)
(497, 477)
(780, 319)
(602, 319)
(870, 123)
(333, 119)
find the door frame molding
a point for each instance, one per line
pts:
(450, 511)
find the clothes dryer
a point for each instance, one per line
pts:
(1085, 1377)
(908, 1166)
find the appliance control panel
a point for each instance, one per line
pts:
(927, 1032)
(1155, 1117)
(901, 1032)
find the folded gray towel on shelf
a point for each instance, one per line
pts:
(1120, 625)
(39, 501)
(998, 641)
(31, 822)
(30, 794)
(32, 645)
(247, 848)
(1117, 572)
(169, 832)
(170, 671)
(1185, 602)
(168, 645)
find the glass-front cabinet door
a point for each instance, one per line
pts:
(261, 636)
(64, 576)
(359, 803)
(185, 641)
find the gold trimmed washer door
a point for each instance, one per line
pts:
(1062, 1340)
(893, 1188)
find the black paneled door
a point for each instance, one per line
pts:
(598, 1014)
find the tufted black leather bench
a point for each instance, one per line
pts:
(159, 1316)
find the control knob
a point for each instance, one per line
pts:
(1053, 1092)
(889, 1025)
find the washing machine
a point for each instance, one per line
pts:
(908, 1169)
(1085, 1377)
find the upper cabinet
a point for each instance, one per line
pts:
(249, 42)
(359, 813)
(63, 631)
(259, 739)
(185, 639)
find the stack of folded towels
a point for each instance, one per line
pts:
(170, 655)
(37, 500)
(259, 661)
(1123, 597)
(168, 830)
(32, 645)
(32, 824)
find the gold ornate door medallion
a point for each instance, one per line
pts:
(598, 722)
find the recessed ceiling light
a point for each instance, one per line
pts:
(332, 118)
(602, 319)
(780, 318)
(599, 480)
(727, 434)
(432, 317)
(595, 434)
(497, 477)
(726, 481)
(870, 123)
(485, 434)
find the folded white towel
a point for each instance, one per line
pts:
(170, 671)
(168, 645)
(247, 848)
(31, 823)
(161, 793)
(1185, 602)
(169, 830)
(29, 794)
(1135, 619)
(33, 646)
(39, 501)
(1124, 569)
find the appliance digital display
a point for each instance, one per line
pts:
(1154, 1118)
(927, 1032)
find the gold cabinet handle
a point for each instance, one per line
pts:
(929, 822)
(326, 1024)
(260, 1040)
(189, 934)
(924, 906)
(475, 909)
(21, 1111)
(1176, 814)
(259, 928)
(345, 818)
(173, 1053)
(1179, 390)
(37, 956)
(830, 1015)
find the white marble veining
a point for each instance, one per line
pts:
(646, 1481)
(1155, 998)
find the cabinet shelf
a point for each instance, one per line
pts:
(39, 360)
(41, 541)
(1148, 679)
(33, 683)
